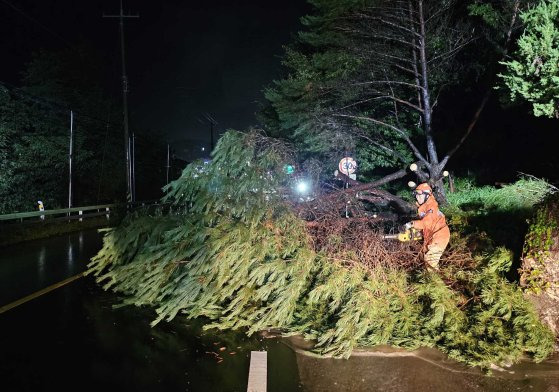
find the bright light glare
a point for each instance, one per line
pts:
(302, 187)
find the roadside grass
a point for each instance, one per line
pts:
(500, 214)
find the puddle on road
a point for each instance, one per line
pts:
(388, 369)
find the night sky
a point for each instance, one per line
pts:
(183, 58)
(187, 58)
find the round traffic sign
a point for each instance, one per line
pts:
(347, 166)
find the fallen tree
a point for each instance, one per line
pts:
(234, 250)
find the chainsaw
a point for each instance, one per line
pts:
(410, 234)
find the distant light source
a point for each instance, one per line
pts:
(302, 187)
(203, 148)
(289, 169)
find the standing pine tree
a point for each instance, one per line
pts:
(533, 73)
(367, 76)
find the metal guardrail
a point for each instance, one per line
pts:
(82, 212)
(104, 209)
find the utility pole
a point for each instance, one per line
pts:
(211, 136)
(133, 166)
(212, 122)
(129, 188)
(70, 159)
(168, 163)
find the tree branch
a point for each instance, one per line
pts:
(451, 52)
(404, 136)
(382, 146)
(358, 187)
(404, 68)
(402, 101)
(392, 24)
(390, 56)
(379, 36)
(416, 86)
(487, 94)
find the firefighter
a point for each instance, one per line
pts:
(432, 223)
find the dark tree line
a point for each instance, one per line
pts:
(35, 137)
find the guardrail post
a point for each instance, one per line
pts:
(80, 213)
(107, 212)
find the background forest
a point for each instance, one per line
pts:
(35, 137)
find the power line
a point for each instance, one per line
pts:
(63, 108)
(212, 123)
(48, 102)
(52, 32)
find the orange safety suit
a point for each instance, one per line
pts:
(436, 233)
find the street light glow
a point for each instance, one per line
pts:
(302, 187)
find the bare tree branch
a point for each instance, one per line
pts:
(389, 23)
(390, 56)
(403, 134)
(402, 101)
(451, 52)
(415, 86)
(393, 152)
(359, 189)
(370, 35)
(487, 94)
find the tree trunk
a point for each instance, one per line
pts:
(439, 192)
(425, 92)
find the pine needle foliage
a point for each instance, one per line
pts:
(232, 251)
(523, 194)
(533, 73)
